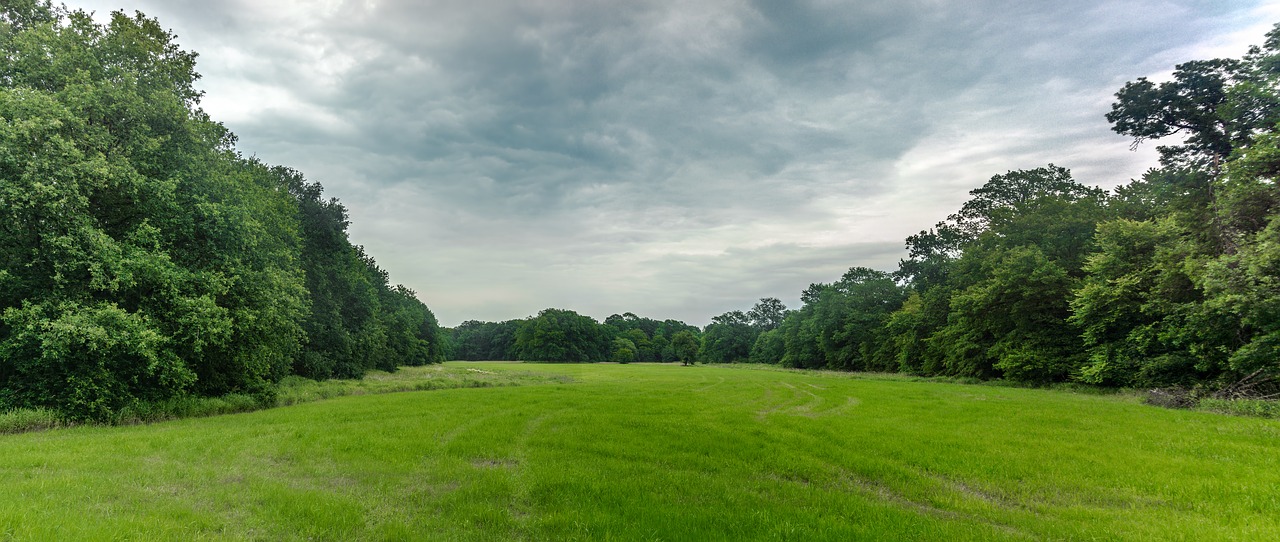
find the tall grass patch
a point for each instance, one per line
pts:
(28, 419)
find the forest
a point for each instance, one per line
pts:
(144, 258)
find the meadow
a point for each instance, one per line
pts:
(656, 452)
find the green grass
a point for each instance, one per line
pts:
(293, 390)
(659, 452)
(28, 419)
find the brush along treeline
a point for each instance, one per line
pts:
(143, 258)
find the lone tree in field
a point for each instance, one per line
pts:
(686, 347)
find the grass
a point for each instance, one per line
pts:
(658, 452)
(293, 390)
(28, 419)
(1242, 407)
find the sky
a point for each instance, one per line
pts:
(670, 158)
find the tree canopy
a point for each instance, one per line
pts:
(142, 257)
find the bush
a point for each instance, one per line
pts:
(88, 362)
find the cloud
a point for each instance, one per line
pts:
(672, 159)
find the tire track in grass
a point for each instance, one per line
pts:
(806, 409)
(771, 406)
(520, 506)
(707, 387)
(802, 402)
(881, 491)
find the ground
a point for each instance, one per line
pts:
(658, 452)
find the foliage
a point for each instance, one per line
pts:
(624, 351)
(728, 338)
(1219, 105)
(770, 347)
(478, 341)
(559, 335)
(141, 258)
(686, 347)
(767, 314)
(1130, 307)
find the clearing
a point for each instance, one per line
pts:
(659, 452)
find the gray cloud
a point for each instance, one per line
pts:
(673, 159)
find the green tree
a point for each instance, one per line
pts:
(769, 347)
(1218, 105)
(559, 335)
(141, 257)
(767, 314)
(126, 211)
(1012, 321)
(1022, 241)
(624, 351)
(1134, 304)
(686, 347)
(728, 338)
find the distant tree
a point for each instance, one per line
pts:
(559, 335)
(624, 351)
(685, 346)
(479, 341)
(767, 314)
(728, 338)
(799, 333)
(769, 347)
(841, 324)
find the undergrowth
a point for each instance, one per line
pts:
(1242, 407)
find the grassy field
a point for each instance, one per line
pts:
(658, 452)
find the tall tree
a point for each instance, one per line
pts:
(767, 314)
(728, 338)
(1218, 105)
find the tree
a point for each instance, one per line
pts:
(767, 314)
(559, 335)
(728, 338)
(1012, 321)
(840, 327)
(479, 341)
(624, 351)
(141, 257)
(1134, 307)
(685, 346)
(769, 347)
(127, 213)
(1219, 105)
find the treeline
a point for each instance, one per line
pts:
(558, 335)
(142, 258)
(1170, 280)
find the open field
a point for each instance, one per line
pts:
(659, 452)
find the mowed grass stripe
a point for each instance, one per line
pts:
(659, 452)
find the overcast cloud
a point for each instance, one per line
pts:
(674, 159)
